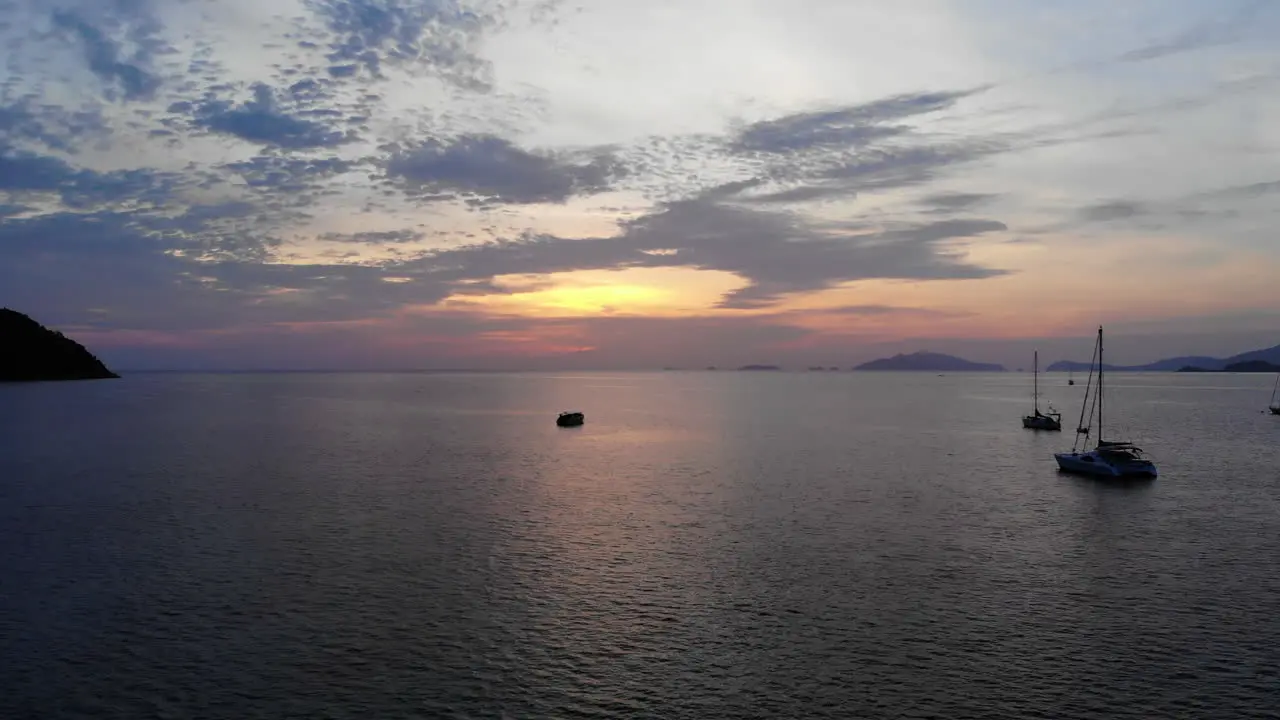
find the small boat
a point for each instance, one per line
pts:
(1108, 458)
(1273, 406)
(1041, 421)
(570, 419)
(1070, 377)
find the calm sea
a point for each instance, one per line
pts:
(708, 545)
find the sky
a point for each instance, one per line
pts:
(542, 184)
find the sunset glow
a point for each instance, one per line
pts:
(654, 292)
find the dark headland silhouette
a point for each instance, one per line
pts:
(1208, 364)
(929, 361)
(34, 352)
(1248, 366)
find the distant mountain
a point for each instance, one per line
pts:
(1248, 366)
(1252, 366)
(1270, 355)
(928, 361)
(34, 352)
(1166, 365)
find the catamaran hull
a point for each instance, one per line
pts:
(1092, 465)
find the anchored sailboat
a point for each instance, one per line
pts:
(1108, 458)
(1041, 421)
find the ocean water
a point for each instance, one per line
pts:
(708, 545)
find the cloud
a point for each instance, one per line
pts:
(776, 253)
(439, 35)
(871, 311)
(197, 270)
(1203, 34)
(841, 128)
(492, 169)
(61, 264)
(842, 175)
(896, 167)
(944, 203)
(261, 120)
(375, 237)
(290, 182)
(105, 56)
(837, 154)
(54, 127)
(25, 174)
(780, 255)
(1114, 210)
(1250, 190)
(1191, 208)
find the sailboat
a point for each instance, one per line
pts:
(1071, 380)
(1275, 408)
(1108, 458)
(1039, 420)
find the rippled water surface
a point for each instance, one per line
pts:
(708, 545)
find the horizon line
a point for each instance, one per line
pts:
(490, 371)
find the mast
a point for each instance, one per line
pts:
(1035, 393)
(1085, 409)
(1099, 385)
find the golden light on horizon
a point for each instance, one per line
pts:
(1052, 287)
(651, 292)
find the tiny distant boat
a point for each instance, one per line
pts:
(1051, 420)
(1273, 406)
(1070, 379)
(1109, 458)
(570, 419)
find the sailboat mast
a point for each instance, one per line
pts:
(1035, 393)
(1100, 385)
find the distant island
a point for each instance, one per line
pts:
(929, 361)
(1253, 366)
(33, 352)
(1182, 364)
(759, 367)
(1248, 366)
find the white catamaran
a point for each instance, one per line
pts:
(1107, 458)
(1051, 420)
